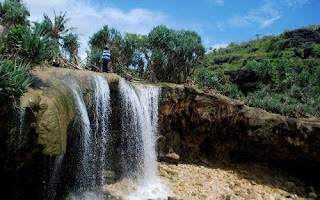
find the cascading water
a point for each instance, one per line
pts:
(94, 134)
(101, 126)
(140, 104)
(15, 138)
(84, 176)
(149, 97)
(21, 127)
(55, 178)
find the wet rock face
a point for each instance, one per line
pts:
(29, 143)
(206, 127)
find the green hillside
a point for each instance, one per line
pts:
(278, 73)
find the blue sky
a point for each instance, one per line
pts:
(218, 22)
(225, 21)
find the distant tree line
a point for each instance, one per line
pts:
(162, 55)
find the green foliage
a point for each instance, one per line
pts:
(56, 28)
(28, 45)
(114, 40)
(233, 91)
(100, 38)
(71, 45)
(165, 54)
(12, 13)
(316, 50)
(14, 81)
(288, 68)
(207, 78)
(281, 103)
(176, 52)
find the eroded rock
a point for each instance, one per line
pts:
(212, 127)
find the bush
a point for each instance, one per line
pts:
(316, 50)
(233, 91)
(26, 44)
(207, 78)
(14, 81)
(12, 13)
(264, 69)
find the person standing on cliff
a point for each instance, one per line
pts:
(106, 57)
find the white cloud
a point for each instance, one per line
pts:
(219, 45)
(264, 16)
(293, 3)
(88, 19)
(216, 46)
(268, 22)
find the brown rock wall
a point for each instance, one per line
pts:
(213, 127)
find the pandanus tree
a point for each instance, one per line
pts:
(71, 45)
(174, 53)
(97, 42)
(60, 33)
(56, 28)
(127, 50)
(12, 13)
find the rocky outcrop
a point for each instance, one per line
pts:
(202, 127)
(302, 36)
(52, 104)
(246, 79)
(40, 129)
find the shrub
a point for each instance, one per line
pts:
(233, 91)
(28, 45)
(12, 13)
(207, 78)
(316, 50)
(14, 81)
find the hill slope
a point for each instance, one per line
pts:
(278, 73)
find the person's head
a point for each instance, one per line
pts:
(106, 47)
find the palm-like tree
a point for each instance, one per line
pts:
(57, 28)
(12, 13)
(71, 45)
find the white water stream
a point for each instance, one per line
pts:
(141, 116)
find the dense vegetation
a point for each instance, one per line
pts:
(24, 45)
(277, 73)
(163, 55)
(13, 81)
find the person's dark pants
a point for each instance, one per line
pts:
(105, 65)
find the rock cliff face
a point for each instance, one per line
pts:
(40, 129)
(198, 127)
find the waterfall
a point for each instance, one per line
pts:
(131, 151)
(16, 136)
(140, 104)
(101, 126)
(149, 97)
(21, 127)
(54, 180)
(85, 174)
(93, 121)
